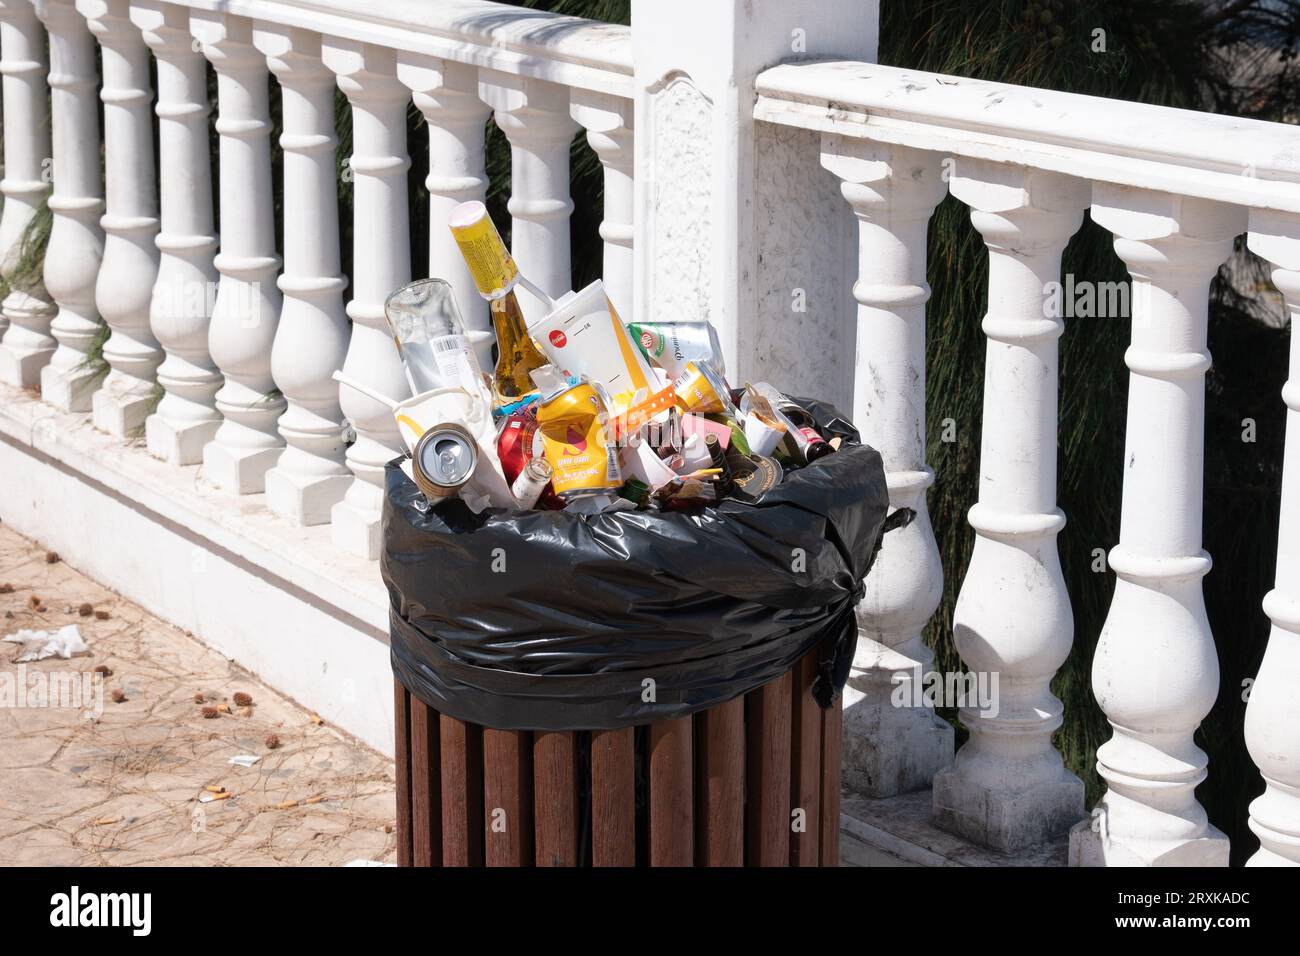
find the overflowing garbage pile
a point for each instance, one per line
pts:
(604, 532)
(581, 413)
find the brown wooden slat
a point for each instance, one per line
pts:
(402, 757)
(832, 727)
(805, 764)
(767, 795)
(672, 837)
(461, 752)
(721, 801)
(613, 798)
(555, 797)
(426, 785)
(507, 797)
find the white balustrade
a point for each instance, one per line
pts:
(1008, 787)
(893, 191)
(123, 290)
(446, 93)
(310, 476)
(534, 115)
(186, 417)
(1155, 672)
(608, 122)
(1273, 711)
(725, 151)
(381, 261)
(76, 241)
(247, 307)
(24, 317)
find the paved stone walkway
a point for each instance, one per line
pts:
(89, 780)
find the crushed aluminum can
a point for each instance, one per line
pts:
(577, 444)
(671, 345)
(701, 390)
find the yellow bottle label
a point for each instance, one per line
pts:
(490, 264)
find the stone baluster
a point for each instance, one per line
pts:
(446, 93)
(1273, 712)
(1155, 672)
(24, 316)
(124, 289)
(76, 241)
(608, 122)
(310, 476)
(247, 307)
(186, 417)
(534, 115)
(381, 262)
(893, 191)
(1008, 787)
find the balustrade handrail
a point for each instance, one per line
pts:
(567, 50)
(1240, 161)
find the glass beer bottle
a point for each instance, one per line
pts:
(495, 274)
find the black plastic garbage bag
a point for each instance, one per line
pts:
(544, 620)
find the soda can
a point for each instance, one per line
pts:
(701, 390)
(515, 441)
(576, 443)
(671, 345)
(444, 460)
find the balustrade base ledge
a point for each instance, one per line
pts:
(239, 471)
(355, 531)
(23, 369)
(178, 445)
(71, 390)
(890, 750)
(304, 501)
(121, 412)
(277, 598)
(900, 831)
(1007, 820)
(1088, 847)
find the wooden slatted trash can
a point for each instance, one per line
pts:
(751, 782)
(629, 688)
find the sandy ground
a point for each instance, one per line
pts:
(89, 780)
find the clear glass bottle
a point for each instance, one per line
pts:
(430, 336)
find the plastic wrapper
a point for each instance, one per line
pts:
(551, 620)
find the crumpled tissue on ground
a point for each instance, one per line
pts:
(66, 642)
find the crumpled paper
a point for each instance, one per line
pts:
(66, 642)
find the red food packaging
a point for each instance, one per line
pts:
(515, 448)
